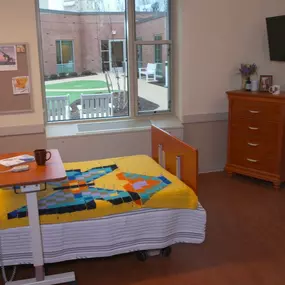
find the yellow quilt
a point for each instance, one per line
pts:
(99, 188)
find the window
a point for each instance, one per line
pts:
(153, 84)
(105, 55)
(139, 54)
(115, 63)
(64, 56)
(158, 50)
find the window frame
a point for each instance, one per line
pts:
(132, 45)
(104, 51)
(157, 49)
(139, 53)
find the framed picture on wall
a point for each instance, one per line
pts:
(266, 81)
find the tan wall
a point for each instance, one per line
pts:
(18, 24)
(214, 38)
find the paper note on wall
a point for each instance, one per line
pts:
(8, 58)
(21, 85)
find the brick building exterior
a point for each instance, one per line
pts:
(87, 31)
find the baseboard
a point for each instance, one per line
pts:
(212, 171)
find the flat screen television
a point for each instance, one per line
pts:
(276, 37)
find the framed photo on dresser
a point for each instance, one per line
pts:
(265, 82)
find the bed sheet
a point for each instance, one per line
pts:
(142, 229)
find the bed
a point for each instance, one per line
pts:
(147, 228)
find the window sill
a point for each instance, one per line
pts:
(64, 130)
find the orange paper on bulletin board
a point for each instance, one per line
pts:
(15, 79)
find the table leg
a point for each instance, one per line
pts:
(36, 235)
(37, 244)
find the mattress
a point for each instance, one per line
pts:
(94, 189)
(142, 229)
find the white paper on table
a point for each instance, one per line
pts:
(16, 160)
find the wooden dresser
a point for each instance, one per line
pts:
(256, 135)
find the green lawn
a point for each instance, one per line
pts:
(78, 84)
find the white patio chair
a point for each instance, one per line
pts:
(148, 72)
(58, 108)
(96, 105)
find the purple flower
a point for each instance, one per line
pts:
(246, 70)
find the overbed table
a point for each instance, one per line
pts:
(30, 182)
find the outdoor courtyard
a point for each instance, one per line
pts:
(152, 95)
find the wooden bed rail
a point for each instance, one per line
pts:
(175, 156)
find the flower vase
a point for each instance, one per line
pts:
(243, 82)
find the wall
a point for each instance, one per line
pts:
(102, 146)
(19, 132)
(210, 138)
(95, 29)
(18, 22)
(216, 37)
(55, 27)
(87, 31)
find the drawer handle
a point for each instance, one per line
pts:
(253, 128)
(254, 112)
(252, 160)
(253, 144)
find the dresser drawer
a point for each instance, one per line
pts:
(261, 111)
(266, 165)
(255, 131)
(254, 144)
(255, 149)
(254, 158)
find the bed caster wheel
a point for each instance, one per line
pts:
(165, 252)
(141, 255)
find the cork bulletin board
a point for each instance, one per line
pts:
(15, 79)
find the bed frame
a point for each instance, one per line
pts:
(175, 156)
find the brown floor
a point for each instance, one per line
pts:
(245, 243)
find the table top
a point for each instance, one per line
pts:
(52, 171)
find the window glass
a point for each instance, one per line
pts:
(58, 52)
(158, 50)
(84, 58)
(152, 18)
(67, 51)
(153, 79)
